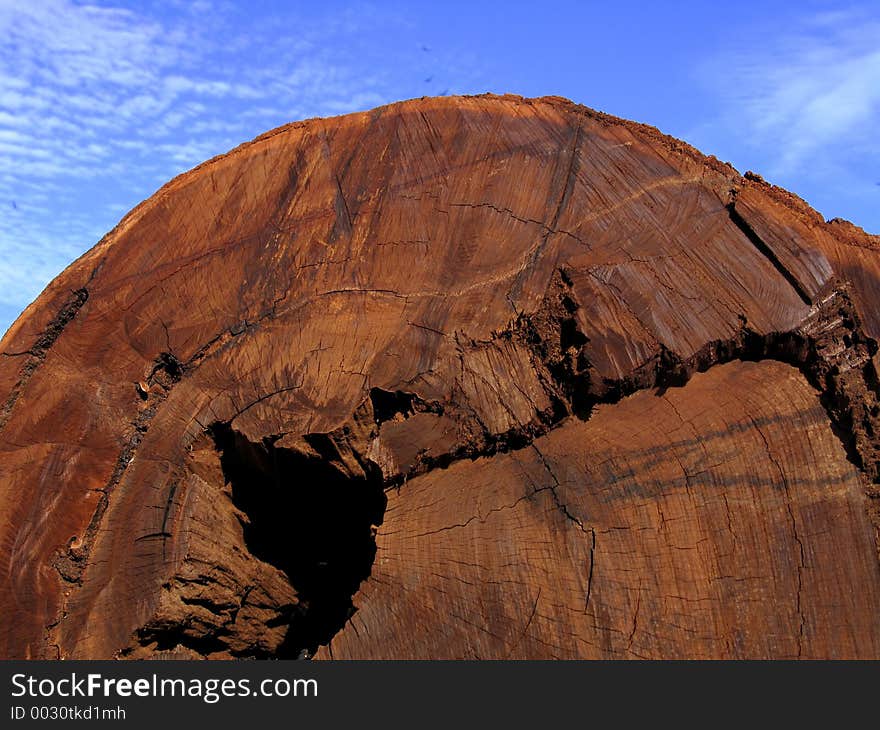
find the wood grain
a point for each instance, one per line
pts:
(463, 377)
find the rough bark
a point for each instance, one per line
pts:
(466, 377)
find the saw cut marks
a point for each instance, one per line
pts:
(461, 377)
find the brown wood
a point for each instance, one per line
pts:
(462, 377)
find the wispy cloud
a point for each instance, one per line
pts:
(100, 105)
(817, 85)
(802, 105)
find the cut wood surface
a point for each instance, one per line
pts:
(481, 377)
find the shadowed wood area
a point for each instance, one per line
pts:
(461, 377)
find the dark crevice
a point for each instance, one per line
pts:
(767, 252)
(387, 405)
(570, 335)
(164, 374)
(169, 366)
(310, 517)
(40, 349)
(829, 348)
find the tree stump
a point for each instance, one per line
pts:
(479, 377)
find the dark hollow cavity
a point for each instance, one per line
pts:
(389, 404)
(310, 519)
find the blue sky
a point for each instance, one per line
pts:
(101, 103)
